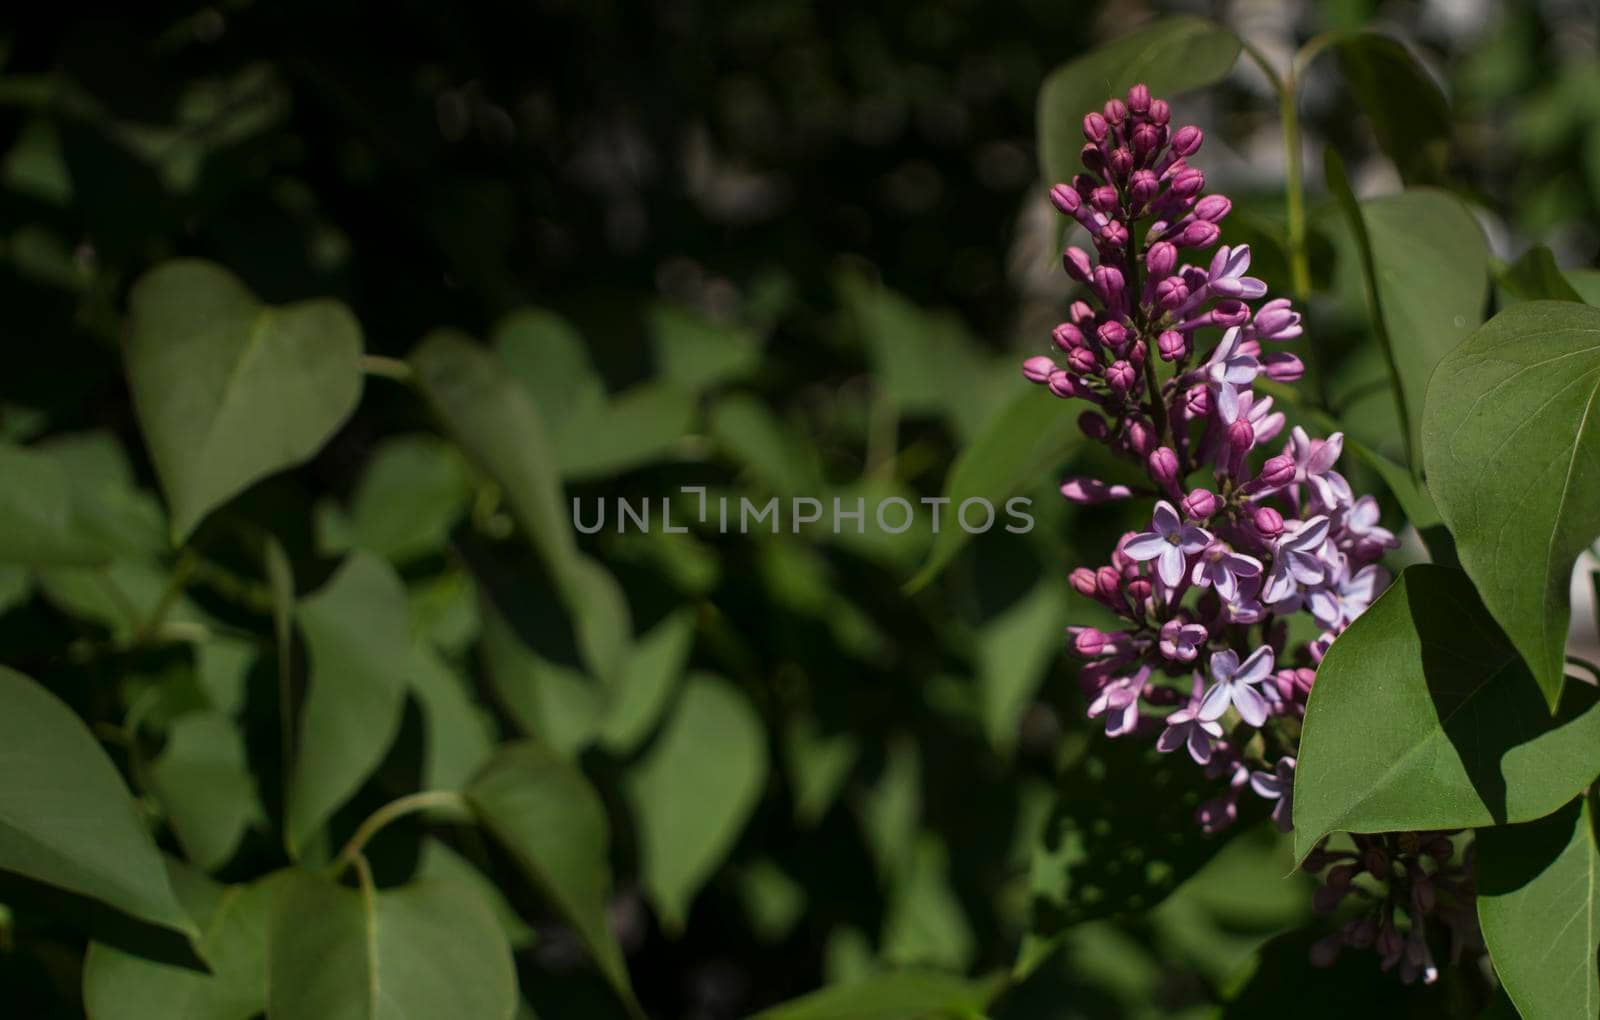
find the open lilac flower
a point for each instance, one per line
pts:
(1235, 684)
(1119, 703)
(1181, 641)
(1338, 604)
(1229, 368)
(1278, 785)
(1169, 541)
(1313, 459)
(1225, 570)
(1361, 520)
(1226, 275)
(1296, 560)
(1185, 728)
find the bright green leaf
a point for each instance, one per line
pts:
(551, 821)
(1424, 717)
(229, 390)
(431, 950)
(1539, 907)
(358, 642)
(65, 815)
(1513, 453)
(1170, 55)
(694, 790)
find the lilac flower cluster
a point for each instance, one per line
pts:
(1169, 353)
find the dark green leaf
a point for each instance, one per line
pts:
(1536, 277)
(1424, 717)
(1414, 131)
(65, 816)
(551, 821)
(412, 493)
(1513, 455)
(431, 950)
(38, 521)
(203, 782)
(696, 353)
(229, 390)
(694, 790)
(893, 995)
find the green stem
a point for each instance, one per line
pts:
(181, 572)
(388, 368)
(397, 808)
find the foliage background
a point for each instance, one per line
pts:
(821, 228)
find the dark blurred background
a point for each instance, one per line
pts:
(806, 174)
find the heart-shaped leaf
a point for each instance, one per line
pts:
(65, 815)
(1513, 455)
(1170, 55)
(694, 790)
(358, 641)
(431, 950)
(229, 390)
(1423, 716)
(551, 821)
(1539, 907)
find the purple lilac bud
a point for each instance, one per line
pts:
(1186, 140)
(1144, 185)
(1082, 581)
(1116, 111)
(1197, 234)
(1038, 369)
(1171, 345)
(1087, 491)
(1163, 465)
(1139, 98)
(1160, 112)
(1120, 376)
(1113, 334)
(1083, 361)
(1280, 366)
(1161, 259)
(1076, 262)
(1268, 522)
(1093, 426)
(1276, 320)
(1065, 199)
(1095, 128)
(1213, 208)
(1067, 336)
(1199, 504)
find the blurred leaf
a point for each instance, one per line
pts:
(1424, 717)
(1586, 283)
(106, 503)
(1415, 133)
(924, 923)
(458, 734)
(548, 357)
(922, 362)
(203, 782)
(1536, 277)
(1353, 986)
(229, 390)
(1426, 269)
(411, 494)
(551, 821)
(773, 901)
(638, 427)
(430, 950)
(892, 808)
(698, 354)
(893, 995)
(694, 790)
(1514, 465)
(546, 697)
(492, 418)
(39, 523)
(1014, 653)
(1120, 838)
(1171, 55)
(358, 642)
(119, 596)
(754, 437)
(118, 985)
(65, 816)
(1539, 906)
(1029, 436)
(437, 860)
(647, 682)
(818, 765)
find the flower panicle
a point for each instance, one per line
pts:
(1167, 346)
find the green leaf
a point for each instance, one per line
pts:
(753, 436)
(1014, 652)
(437, 860)
(1426, 269)
(551, 821)
(893, 995)
(1171, 55)
(924, 923)
(39, 523)
(1585, 283)
(1514, 465)
(65, 816)
(107, 503)
(1415, 502)
(539, 683)
(411, 494)
(493, 420)
(818, 765)
(430, 950)
(923, 363)
(358, 641)
(698, 354)
(694, 790)
(118, 985)
(1539, 907)
(548, 357)
(202, 780)
(229, 390)
(647, 682)
(1030, 435)
(1415, 134)
(1536, 277)
(1423, 716)
(458, 735)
